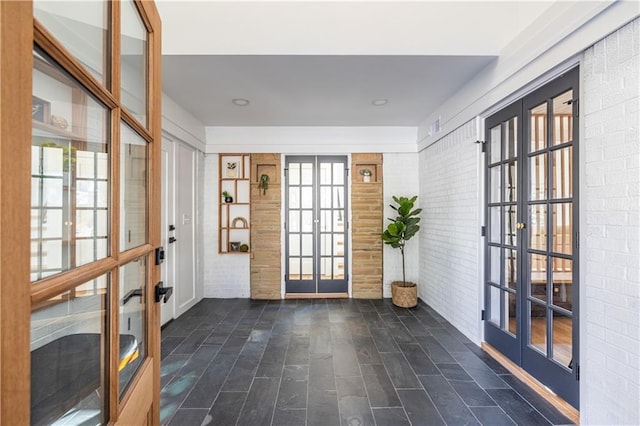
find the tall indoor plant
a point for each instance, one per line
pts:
(401, 229)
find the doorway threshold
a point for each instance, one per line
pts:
(560, 404)
(316, 296)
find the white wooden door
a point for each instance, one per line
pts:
(167, 310)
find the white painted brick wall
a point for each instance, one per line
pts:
(450, 236)
(610, 211)
(225, 276)
(400, 178)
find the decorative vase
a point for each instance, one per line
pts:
(366, 178)
(228, 199)
(404, 296)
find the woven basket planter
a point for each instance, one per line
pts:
(404, 297)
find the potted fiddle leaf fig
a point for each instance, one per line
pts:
(401, 229)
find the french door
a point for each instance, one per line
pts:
(531, 298)
(316, 224)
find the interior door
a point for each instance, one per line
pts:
(167, 310)
(316, 224)
(532, 263)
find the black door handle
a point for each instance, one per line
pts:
(172, 240)
(137, 292)
(163, 292)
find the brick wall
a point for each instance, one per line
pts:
(450, 235)
(610, 254)
(266, 225)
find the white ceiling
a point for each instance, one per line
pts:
(321, 63)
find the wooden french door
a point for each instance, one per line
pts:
(532, 261)
(316, 231)
(79, 212)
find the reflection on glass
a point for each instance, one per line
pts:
(494, 305)
(81, 27)
(538, 276)
(338, 173)
(338, 244)
(325, 220)
(307, 244)
(538, 226)
(495, 144)
(338, 268)
(294, 197)
(510, 222)
(495, 184)
(563, 173)
(562, 231)
(494, 224)
(511, 323)
(294, 268)
(538, 177)
(562, 335)
(338, 197)
(306, 174)
(133, 58)
(510, 268)
(294, 220)
(511, 182)
(538, 127)
(307, 268)
(69, 173)
(133, 278)
(133, 193)
(326, 245)
(325, 197)
(563, 118)
(294, 244)
(68, 353)
(562, 277)
(325, 268)
(494, 261)
(338, 221)
(511, 138)
(538, 327)
(294, 174)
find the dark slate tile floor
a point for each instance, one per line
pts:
(334, 362)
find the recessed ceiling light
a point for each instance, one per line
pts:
(240, 102)
(379, 102)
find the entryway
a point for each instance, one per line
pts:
(316, 224)
(531, 299)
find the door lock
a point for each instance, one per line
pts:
(520, 225)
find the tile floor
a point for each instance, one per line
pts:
(334, 362)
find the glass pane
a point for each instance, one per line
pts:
(338, 268)
(338, 244)
(68, 357)
(306, 172)
(494, 305)
(326, 248)
(562, 228)
(495, 184)
(133, 61)
(294, 269)
(495, 144)
(494, 224)
(538, 227)
(510, 268)
(511, 182)
(325, 220)
(562, 332)
(307, 244)
(538, 177)
(325, 197)
(81, 27)
(294, 221)
(511, 138)
(325, 268)
(338, 197)
(562, 173)
(294, 197)
(538, 276)
(294, 244)
(510, 222)
(133, 192)
(338, 173)
(494, 260)
(538, 127)
(562, 277)
(511, 324)
(307, 197)
(338, 221)
(69, 131)
(133, 278)
(325, 174)
(538, 331)
(307, 221)
(307, 268)
(294, 174)
(563, 118)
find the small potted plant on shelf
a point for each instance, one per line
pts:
(366, 175)
(227, 197)
(401, 229)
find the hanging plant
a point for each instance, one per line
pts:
(264, 183)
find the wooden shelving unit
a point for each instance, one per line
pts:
(234, 217)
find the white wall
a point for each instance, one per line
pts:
(450, 237)
(400, 178)
(610, 229)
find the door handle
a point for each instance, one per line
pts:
(163, 292)
(137, 292)
(172, 240)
